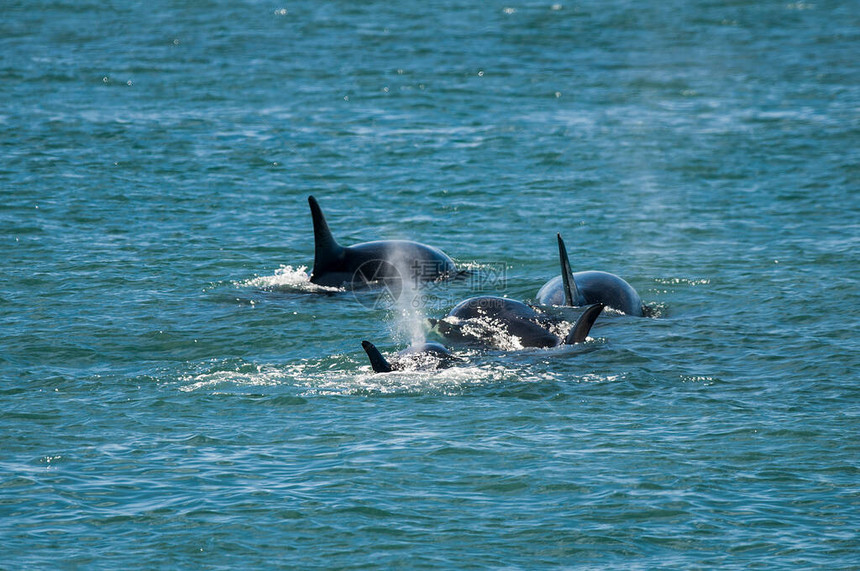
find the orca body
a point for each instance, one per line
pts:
(382, 261)
(484, 319)
(417, 357)
(585, 288)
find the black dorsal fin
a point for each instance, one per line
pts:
(580, 329)
(377, 361)
(571, 293)
(326, 248)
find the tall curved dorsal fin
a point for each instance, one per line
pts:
(326, 247)
(580, 329)
(571, 293)
(377, 361)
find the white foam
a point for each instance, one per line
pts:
(288, 278)
(260, 376)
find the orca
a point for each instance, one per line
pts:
(383, 261)
(585, 288)
(492, 321)
(417, 357)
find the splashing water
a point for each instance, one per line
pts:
(490, 331)
(287, 278)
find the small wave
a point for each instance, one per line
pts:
(288, 278)
(451, 381)
(682, 281)
(247, 375)
(596, 378)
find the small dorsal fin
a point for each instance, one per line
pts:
(572, 296)
(377, 361)
(326, 247)
(580, 329)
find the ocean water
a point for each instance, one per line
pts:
(174, 394)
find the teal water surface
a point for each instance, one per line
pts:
(174, 394)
